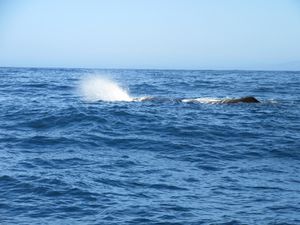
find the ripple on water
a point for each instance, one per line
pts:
(65, 160)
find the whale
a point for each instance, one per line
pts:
(247, 99)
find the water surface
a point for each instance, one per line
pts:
(68, 159)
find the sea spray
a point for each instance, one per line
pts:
(97, 88)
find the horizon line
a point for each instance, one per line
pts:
(160, 69)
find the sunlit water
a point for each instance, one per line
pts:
(82, 147)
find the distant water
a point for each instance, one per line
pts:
(80, 147)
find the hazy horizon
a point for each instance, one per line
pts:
(154, 69)
(172, 35)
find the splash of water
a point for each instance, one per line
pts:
(102, 89)
(202, 100)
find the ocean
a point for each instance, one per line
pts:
(112, 146)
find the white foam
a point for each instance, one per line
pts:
(142, 99)
(202, 100)
(97, 88)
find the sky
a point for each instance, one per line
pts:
(151, 34)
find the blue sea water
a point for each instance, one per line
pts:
(67, 159)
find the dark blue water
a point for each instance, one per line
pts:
(65, 160)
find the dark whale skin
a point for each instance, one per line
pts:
(248, 99)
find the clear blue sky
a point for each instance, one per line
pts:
(171, 34)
